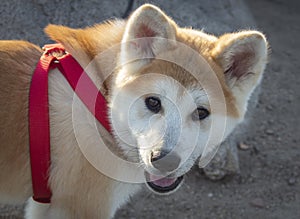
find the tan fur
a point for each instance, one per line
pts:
(79, 190)
(18, 60)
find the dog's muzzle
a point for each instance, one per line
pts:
(163, 185)
(165, 163)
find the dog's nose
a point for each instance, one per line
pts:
(164, 161)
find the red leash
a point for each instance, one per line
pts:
(39, 126)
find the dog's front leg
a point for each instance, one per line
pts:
(225, 162)
(35, 210)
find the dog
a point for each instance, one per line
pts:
(173, 94)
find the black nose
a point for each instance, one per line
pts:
(164, 161)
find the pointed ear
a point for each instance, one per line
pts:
(243, 57)
(73, 40)
(148, 32)
(93, 47)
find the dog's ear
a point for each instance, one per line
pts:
(74, 41)
(148, 32)
(85, 44)
(93, 46)
(243, 57)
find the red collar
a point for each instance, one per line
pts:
(39, 127)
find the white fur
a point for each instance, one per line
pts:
(174, 130)
(36, 210)
(70, 173)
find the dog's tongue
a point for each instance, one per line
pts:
(162, 181)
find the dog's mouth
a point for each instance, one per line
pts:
(163, 185)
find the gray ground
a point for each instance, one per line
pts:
(269, 183)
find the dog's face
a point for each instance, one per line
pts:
(168, 94)
(163, 125)
(177, 92)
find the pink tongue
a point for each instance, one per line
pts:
(162, 181)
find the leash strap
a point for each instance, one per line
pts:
(39, 126)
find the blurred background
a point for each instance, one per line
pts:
(268, 185)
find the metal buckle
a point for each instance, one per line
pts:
(56, 50)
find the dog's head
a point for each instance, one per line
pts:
(177, 92)
(175, 88)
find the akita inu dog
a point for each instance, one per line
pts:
(173, 95)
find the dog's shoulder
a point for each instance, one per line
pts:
(18, 56)
(19, 48)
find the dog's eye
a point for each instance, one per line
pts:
(153, 104)
(200, 113)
